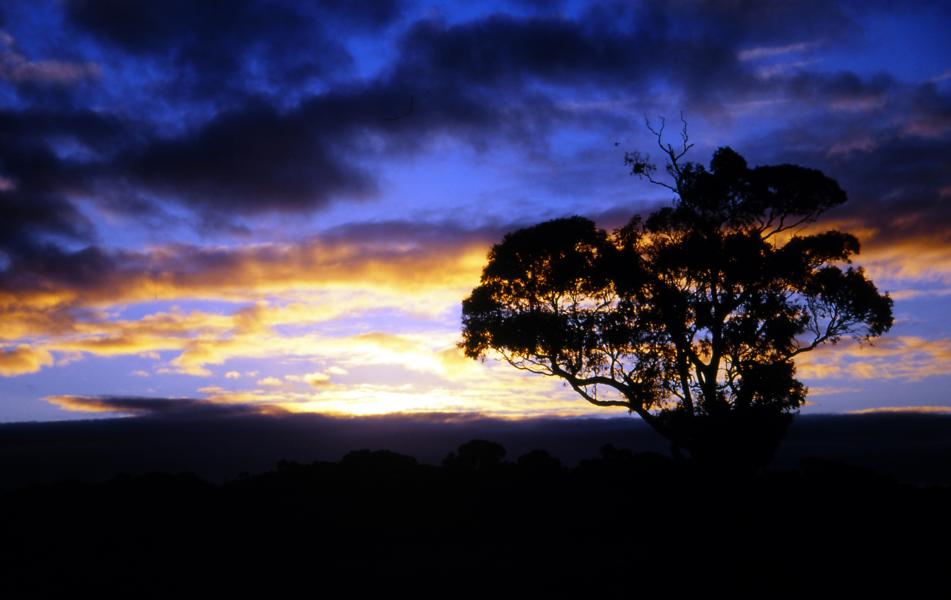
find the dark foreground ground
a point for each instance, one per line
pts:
(620, 524)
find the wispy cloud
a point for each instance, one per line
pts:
(907, 358)
(938, 410)
(18, 69)
(761, 52)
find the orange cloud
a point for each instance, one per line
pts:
(205, 338)
(315, 379)
(21, 321)
(413, 270)
(285, 284)
(281, 292)
(84, 404)
(909, 358)
(23, 359)
(903, 255)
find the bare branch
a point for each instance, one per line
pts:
(673, 156)
(683, 132)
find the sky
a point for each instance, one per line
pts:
(281, 205)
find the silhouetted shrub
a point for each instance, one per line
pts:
(476, 455)
(377, 461)
(539, 462)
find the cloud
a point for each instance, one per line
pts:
(37, 215)
(431, 353)
(902, 409)
(437, 258)
(149, 406)
(623, 52)
(21, 321)
(493, 391)
(367, 269)
(387, 373)
(223, 116)
(894, 173)
(315, 379)
(829, 390)
(240, 151)
(252, 160)
(218, 48)
(200, 338)
(761, 52)
(19, 70)
(23, 359)
(478, 81)
(902, 357)
(253, 150)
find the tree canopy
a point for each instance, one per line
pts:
(691, 318)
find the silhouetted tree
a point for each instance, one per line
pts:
(691, 318)
(476, 455)
(539, 462)
(377, 461)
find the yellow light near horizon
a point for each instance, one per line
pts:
(367, 400)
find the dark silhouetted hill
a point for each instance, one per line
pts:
(908, 447)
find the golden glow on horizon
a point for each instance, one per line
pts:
(289, 302)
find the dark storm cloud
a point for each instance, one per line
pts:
(506, 53)
(158, 407)
(485, 82)
(909, 190)
(220, 47)
(43, 156)
(474, 81)
(81, 133)
(249, 161)
(363, 13)
(259, 159)
(696, 47)
(842, 90)
(887, 143)
(46, 159)
(397, 231)
(147, 27)
(747, 22)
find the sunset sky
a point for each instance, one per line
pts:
(281, 205)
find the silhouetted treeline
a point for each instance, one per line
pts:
(621, 524)
(909, 447)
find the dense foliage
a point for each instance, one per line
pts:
(692, 317)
